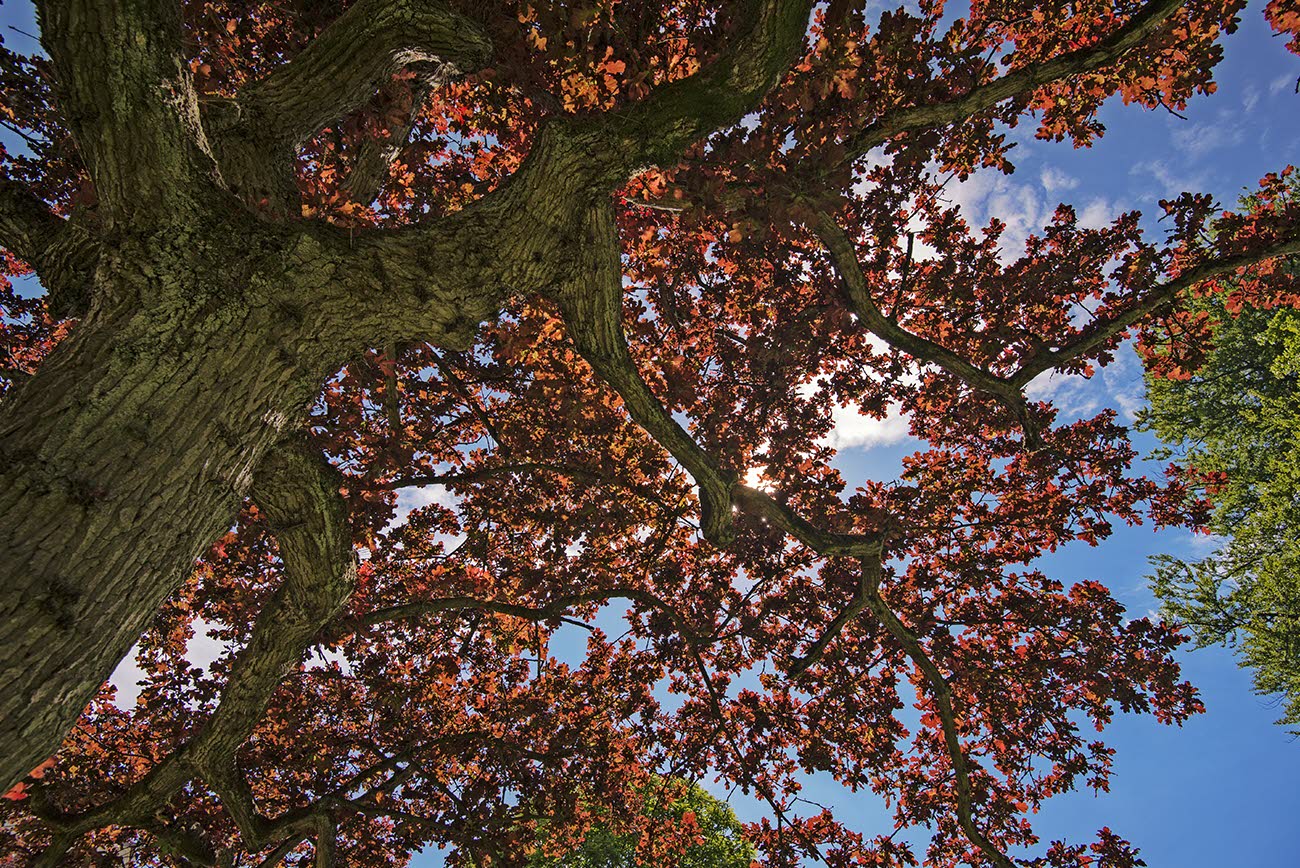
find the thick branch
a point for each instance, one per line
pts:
(520, 237)
(126, 90)
(275, 858)
(343, 66)
(943, 701)
(1101, 331)
(370, 168)
(254, 135)
(59, 251)
(1094, 57)
(657, 129)
(299, 493)
(593, 313)
(26, 226)
(326, 841)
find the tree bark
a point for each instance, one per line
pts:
(124, 456)
(211, 327)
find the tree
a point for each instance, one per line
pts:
(703, 830)
(1232, 422)
(591, 269)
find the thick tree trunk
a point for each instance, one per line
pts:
(132, 447)
(123, 458)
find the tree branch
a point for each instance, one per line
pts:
(326, 841)
(554, 609)
(657, 129)
(255, 134)
(275, 858)
(58, 250)
(845, 260)
(346, 63)
(26, 226)
(593, 313)
(487, 473)
(943, 701)
(1109, 49)
(126, 91)
(519, 238)
(1099, 332)
(871, 568)
(370, 168)
(1010, 390)
(299, 492)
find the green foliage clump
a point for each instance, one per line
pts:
(722, 843)
(1236, 424)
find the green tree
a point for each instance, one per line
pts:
(722, 841)
(1235, 423)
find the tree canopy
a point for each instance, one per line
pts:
(583, 283)
(1234, 424)
(701, 831)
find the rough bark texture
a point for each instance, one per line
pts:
(124, 456)
(210, 326)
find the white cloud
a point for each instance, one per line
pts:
(320, 658)
(988, 194)
(1196, 140)
(126, 678)
(921, 251)
(1098, 213)
(872, 159)
(851, 428)
(202, 650)
(419, 496)
(1055, 180)
(1119, 385)
(756, 477)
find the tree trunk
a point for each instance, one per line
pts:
(123, 458)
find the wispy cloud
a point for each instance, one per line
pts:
(1281, 83)
(1171, 181)
(1055, 180)
(1194, 141)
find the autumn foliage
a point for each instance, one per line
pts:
(893, 634)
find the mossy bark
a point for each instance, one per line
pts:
(213, 316)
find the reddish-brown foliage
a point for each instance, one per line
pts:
(768, 277)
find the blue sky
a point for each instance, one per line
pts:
(1225, 788)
